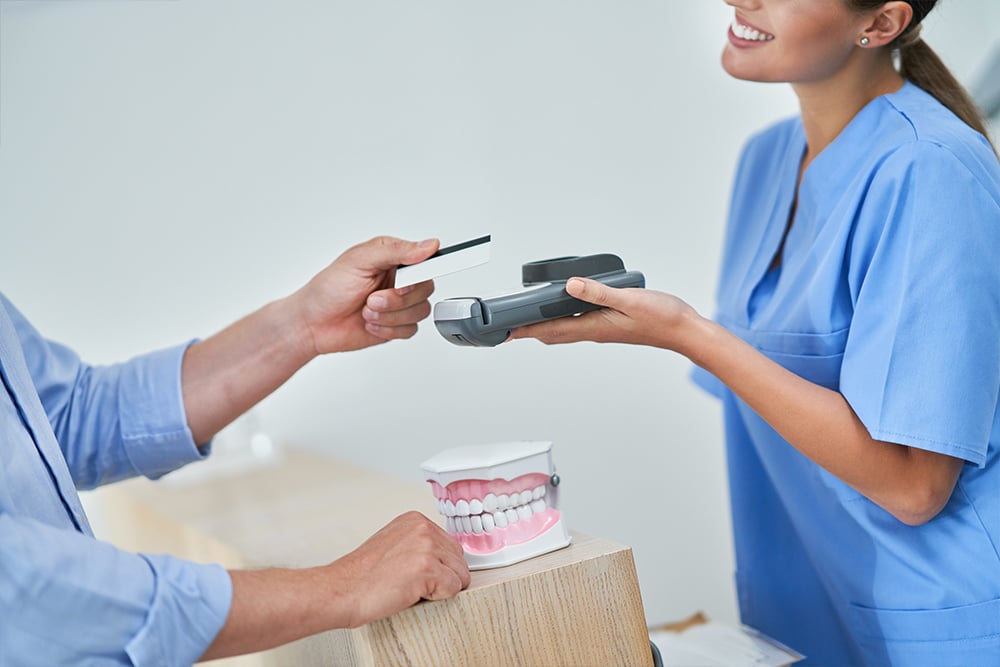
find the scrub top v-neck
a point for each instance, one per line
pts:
(888, 291)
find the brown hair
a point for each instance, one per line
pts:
(919, 64)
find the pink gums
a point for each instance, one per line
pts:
(515, 533)
(467, 489)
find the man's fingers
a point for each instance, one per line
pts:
(454, 560)
(392, 318)
(447, 584)
(387, 252)
(386, 300)
(390, 333)
(446, 553)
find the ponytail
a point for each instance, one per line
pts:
(920, 65)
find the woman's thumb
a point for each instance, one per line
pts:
(591, 291)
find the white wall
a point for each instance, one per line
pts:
(167, 166)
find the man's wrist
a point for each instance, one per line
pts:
(293, 326)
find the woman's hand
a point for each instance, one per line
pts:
(630, 315)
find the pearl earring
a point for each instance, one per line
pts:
(864, 41)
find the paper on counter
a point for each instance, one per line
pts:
(713, 644)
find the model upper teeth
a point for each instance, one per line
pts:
(748, 33)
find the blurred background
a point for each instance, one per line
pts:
(167, 166)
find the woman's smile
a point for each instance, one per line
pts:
(742, 34)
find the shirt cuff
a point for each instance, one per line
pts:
(154, 426)
(190, 604)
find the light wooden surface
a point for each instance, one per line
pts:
(577, 606)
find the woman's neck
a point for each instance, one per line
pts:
(828, 106)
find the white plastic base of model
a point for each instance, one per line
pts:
(553, 539)
(503, 460)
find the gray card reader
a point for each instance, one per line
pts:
(477, 322)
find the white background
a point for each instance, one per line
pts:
(167, 166)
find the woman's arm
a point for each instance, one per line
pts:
(910, 483)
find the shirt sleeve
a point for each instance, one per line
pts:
(111, 422)
(67, 599)
(922, 361)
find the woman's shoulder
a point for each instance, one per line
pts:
(912, 123)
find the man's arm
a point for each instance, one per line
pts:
(348, 306)
(410, 559)
(68, 599)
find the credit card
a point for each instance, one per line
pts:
(449, 259)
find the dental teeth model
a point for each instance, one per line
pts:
(499, 501)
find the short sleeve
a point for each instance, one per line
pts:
(922, 361)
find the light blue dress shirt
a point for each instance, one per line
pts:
(888, 291)
(65, 597)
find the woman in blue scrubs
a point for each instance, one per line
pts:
(856, 347)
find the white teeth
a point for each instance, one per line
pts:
(490, 503)
(494, 511)
(748, 33)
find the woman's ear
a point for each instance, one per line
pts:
(887, 23)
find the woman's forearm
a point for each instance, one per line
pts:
(912, 484)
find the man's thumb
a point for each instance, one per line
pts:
(387, 252)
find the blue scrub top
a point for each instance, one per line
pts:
(889, 292)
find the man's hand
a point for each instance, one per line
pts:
(351, 304)
(408, 560)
